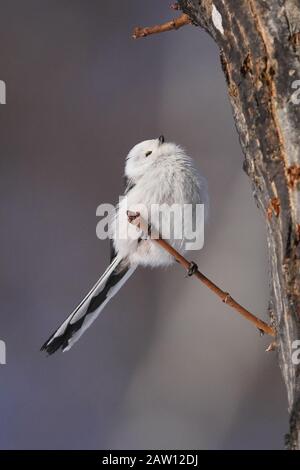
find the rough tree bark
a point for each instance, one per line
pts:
(259, 45)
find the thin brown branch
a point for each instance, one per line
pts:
(176, 23)
(224, 296)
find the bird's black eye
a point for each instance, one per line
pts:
(148, 153)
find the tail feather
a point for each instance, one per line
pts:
(88, 310)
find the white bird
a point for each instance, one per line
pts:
(158, 175)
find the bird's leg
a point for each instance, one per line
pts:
(132, 219)
(131, 216)
(193, 268)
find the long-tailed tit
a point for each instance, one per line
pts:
(158, 176)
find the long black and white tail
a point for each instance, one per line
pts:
(88, 310)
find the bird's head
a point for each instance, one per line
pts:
(143, 156)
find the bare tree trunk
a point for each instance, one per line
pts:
(259, 45)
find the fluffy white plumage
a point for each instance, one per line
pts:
(166, 176)
(157, 173)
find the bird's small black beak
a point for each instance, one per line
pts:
(161, 139)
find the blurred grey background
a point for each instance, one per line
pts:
(167, 365)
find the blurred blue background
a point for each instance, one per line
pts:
(167, 365)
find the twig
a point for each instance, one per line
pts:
(135, 219)
(176, 23)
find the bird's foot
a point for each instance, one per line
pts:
(132, 216)
(192, 269)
